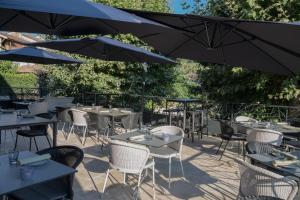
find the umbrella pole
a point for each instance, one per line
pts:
(145, 69)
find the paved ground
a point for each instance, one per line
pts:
(205, 176)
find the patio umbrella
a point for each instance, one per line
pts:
(104, 48)
(257, 45)
(71, 17)
(35, 55)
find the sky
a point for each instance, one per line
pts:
(176, 5)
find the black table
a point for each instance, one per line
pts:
(286, 130)
(11, 121)
(185, 103)
(267, 160)
(10, 180)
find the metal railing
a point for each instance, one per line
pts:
(156, 104)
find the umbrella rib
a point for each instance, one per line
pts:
(226, 34)
(66, 21)
(222, 50)
(187, 40)
(267, 42)
(33, 19)
(9, 20)
(266, 53)
(216, 25)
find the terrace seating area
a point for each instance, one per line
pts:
(123, 159)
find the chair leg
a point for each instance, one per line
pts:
(36, 146)
(84, 135)
(124, 178)
(16, 142)
(219, 147)
(71, 131)
(48, 140)
(244, 153)
(30, 140)
(170, 162)
(181, 166)
(153, 179)
(139, 181)
(106, 177)
(224, 150)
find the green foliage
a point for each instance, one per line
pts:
(234, 84)
(115, 77)
(7, 67)
(8, 80)
(9, 77)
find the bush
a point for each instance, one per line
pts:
(18, 80)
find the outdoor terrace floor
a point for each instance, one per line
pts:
(205, 176)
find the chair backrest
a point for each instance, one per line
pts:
(53, 102)
(171, 130)
(79, 117)
(64, 115)
(244, 119)
(226, 130)
(127, 157)
(38, 107)
(70, 156)
(256, 181)
(264, 136)
(101, 122)
(131, 121)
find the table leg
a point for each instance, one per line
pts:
(112, 126)
(170, 118)
(184, 119)
(54, 134)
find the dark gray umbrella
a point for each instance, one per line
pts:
(258, 45)
(34, 55)
(71, 17)
(104, 48)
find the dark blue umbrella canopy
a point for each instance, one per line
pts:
(104, 48)
(71, 17)
(257, 45)
(35, 55)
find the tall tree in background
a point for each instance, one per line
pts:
(233, 84)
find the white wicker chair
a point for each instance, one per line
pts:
(171, 150)
(264, 136)
(256, 181)
(80, 119)
(129, 158)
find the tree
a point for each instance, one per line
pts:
(234, 84)
(115, 77)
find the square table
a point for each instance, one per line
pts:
(286, 130)
(12, 121)
(111, 113)
(11, 181)
(153, 142)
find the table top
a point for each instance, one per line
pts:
(10, 179)
(152, 142)
(105, 112)
(25, 103)
(283, 128)
(9, 120)
(268, 159)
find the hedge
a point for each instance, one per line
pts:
(18, 80)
